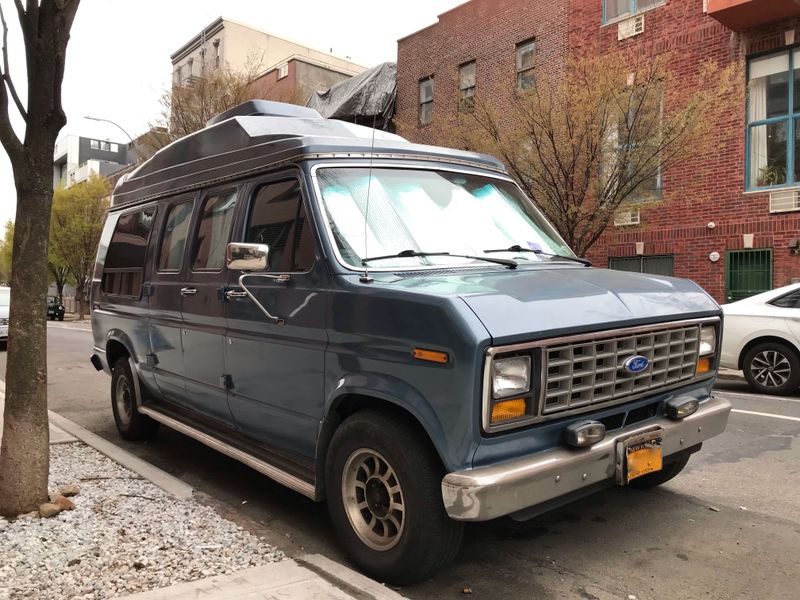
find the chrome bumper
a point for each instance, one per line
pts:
(489, 492)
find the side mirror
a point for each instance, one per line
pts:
(247, 257)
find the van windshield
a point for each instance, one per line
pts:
(426, 211)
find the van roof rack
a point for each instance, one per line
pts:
(265, 108)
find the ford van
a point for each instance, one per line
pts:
(392, 328)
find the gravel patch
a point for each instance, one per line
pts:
(125, 535)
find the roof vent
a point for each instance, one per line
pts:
(265, 108)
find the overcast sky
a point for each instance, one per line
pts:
(118, 56)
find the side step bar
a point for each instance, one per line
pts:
(259, 465)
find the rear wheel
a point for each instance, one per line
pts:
(131, 424)
(772, 368)
(383, 483)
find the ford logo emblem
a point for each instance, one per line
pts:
(636, 364)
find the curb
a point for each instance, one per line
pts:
(162, 479)
(346, 579)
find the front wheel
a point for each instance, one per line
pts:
(772, 368)
(60, 317)
(131, 424)
(383, 484)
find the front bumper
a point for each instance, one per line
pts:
(490, 492)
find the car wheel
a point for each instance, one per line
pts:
(383, 485)
(772, 368)
(60, 317)
(131, 424)
(668, 471)
(51, 317)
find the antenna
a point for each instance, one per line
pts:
(365, 278)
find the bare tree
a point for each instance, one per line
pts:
(24, 456)
(188, 106)
(589, 144)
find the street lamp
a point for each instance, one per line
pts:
(112, 122)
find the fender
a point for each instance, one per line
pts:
(397, 392)
(117, 335)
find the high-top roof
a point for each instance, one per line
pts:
(259, 134)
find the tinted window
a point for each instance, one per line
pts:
(124, 267)
(278, 219)
(790, 300)
(173, 242)
(213, 231)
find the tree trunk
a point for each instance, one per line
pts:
(80, 299)
(60, 290)
(24, 455)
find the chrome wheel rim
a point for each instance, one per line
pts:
(771, 368)
(373, 499)
(123, 397)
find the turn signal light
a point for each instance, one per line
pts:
(681, 407)
(703, 365)
(430, 355)
(508, 409)
(585, 433)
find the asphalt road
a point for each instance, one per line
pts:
(727, 527)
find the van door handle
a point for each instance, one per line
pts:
(188, 291)
(235, 294)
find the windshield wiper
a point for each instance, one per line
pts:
(507, 262)
(518, 248)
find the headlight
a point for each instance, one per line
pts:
(511, 376)
(708, 340)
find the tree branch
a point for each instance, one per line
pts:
(7, 71)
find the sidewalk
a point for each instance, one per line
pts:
(310, 576)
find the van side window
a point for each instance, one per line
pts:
(212, 234)
(170, 257)
(278, 219)
(123, 271)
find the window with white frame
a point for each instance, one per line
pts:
(525, 56)
(283, 70)
(773, 120)
(426, 101)
(94, 144)
(617, 9)
(114, 148)
(466, 87)
(104, 146)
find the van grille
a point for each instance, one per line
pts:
(590, 372)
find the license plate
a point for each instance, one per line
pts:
(639, 455)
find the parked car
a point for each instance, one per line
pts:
(5, 303)
(390, 327)
(55, 310)
(762, 338)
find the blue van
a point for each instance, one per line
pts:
(392, 328)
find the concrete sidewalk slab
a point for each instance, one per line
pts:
(284, 580)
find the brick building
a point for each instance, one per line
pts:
(732, 221)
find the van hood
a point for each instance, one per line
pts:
(544, 303)
(532, 303)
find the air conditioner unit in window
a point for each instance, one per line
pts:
(630, 27)
(627, 217)
(784, 201)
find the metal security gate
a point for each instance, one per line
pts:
(747, 273)
(663, 264)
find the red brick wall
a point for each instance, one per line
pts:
(486, 31)
(710, 189)
(704, 190)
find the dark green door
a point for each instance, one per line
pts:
(747, 273)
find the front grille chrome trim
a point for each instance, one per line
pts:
(543, 414)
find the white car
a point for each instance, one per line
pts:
(761, 336)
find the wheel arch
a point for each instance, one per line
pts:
(350, 399)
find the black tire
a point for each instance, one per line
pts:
(427, 539)
(669, 470)
(772, 368)
(52, 318)
(60, 317)
(131, 424)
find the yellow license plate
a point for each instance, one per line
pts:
(643, 459)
